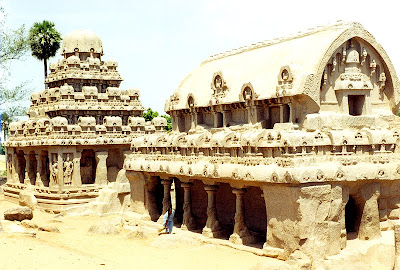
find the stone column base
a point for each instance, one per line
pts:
(208, 232)
(273, 252)
(188, 227)
(244, 239)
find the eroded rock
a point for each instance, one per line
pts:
(29, 224)
(26, 198)
(49, 228)
(18, 213)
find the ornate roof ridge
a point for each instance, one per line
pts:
(266, 43)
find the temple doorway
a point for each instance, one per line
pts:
(352, 218)
(88, 167)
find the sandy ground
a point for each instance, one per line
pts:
(75, 248)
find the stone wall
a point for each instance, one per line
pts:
(389, 203)
(309, 218)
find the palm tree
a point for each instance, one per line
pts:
(44, 40)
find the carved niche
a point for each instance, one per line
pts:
(285, 81)
(354, 74)
(219, 86)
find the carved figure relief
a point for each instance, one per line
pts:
(54, 172)
(68, 168)
(218, 84)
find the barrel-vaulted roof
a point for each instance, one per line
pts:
(259, 65)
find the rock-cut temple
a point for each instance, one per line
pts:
(292, 143)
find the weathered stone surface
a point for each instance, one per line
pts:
(29, 224)
(369, 226)
(104, 227)
(27, 198)
(18, 213)
(299, 260)
(49, 228)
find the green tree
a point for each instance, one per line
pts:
(149, 114)
(13, 46)
(169, 122)
(44, 41)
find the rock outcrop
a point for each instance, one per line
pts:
(18, 213)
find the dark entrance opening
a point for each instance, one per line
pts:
(352, 216)
(220, 120)
(88, 167)
(356, 104)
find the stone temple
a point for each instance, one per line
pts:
(292, 143)
(79, 128)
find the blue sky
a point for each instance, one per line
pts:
(158, 43)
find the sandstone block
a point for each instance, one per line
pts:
(18, 213)
(26, 198)
(49, 228)
(29, 224)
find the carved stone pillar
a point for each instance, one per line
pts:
(280, 113)
(188, 221)
(101, 167)
(16, 169)
(27, 179)
(369, 225)
(213, 227)
(39, 170)
(10, 169)
(226, 117)
(241, 234)
(76, 173)
(167, 197)
(150, 198)
(137, 181)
